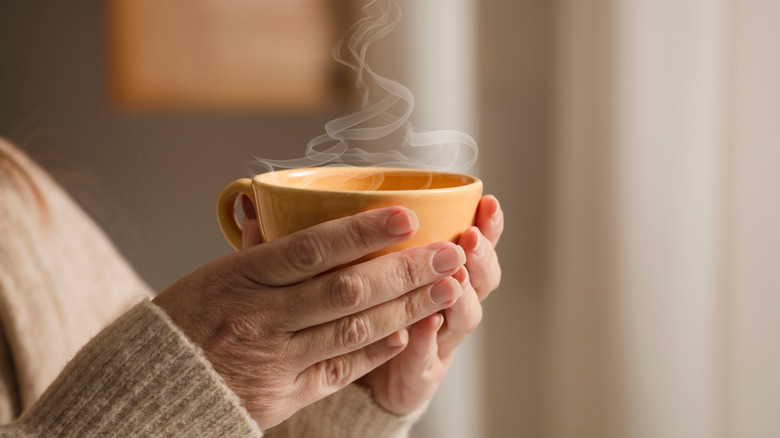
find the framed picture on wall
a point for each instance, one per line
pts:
(169, 55)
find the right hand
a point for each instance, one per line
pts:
(284, 332)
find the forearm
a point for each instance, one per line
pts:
(139, 377)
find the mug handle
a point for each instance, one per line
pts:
(226, 210)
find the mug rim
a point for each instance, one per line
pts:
(470, 181)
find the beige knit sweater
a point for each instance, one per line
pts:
(62, 283)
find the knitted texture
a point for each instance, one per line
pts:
(350, 413)
(107, 391)
(61, 279)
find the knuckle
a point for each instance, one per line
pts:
(410, 273)
(307, 251)
(361, 235)
(241, 329)
(354, 331)
(411, 308)
(347, 290)
(336, 373)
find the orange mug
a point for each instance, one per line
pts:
(290, 200)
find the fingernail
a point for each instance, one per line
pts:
(248, 207)
(449, 258)
(439, 322)
(403, 222)
(496, 216)
(461, 276)
(398, 339)
(480, 248)
(446, 290)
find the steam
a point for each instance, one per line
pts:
(386, 107)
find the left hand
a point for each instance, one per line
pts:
(406, 382)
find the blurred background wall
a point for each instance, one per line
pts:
(149, 177)
(662, 277)
(634, 148)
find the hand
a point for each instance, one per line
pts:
(409, 380)
(283, 331)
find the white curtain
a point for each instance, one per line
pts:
(641, 140)
(664, 314)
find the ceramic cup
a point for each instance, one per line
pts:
(290, 200)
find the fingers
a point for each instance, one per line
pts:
(359, 287)
(355, 331)
(250, 233)
(250, 230)
(460, 320)
(403, 385)
(413, 376)
(330, 375)
(490, 218)
(422, 353)
(481, 262)
(302, 255)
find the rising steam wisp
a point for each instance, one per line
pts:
(386, 107)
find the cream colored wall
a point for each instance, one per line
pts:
(663, 279)
(753, 342)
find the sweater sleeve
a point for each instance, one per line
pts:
(138, 377)
(349, 413)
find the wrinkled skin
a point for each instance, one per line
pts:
(285, 328)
